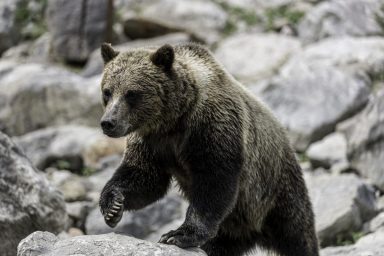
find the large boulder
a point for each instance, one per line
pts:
(319, 87)
(361, 56)
(341, 205)
(27, 201)
(365, 133)
(34, 96)
(95, 63)
(343, 17)
(78, 27)
(252, 57)
(47, 244)
(204, 19)
(370, 245)
(79, 146)
(311, 102)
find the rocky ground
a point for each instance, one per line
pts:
(319, 65)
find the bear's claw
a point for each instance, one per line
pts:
(114, 212)
(184, 237)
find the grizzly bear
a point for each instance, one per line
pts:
(186, 118)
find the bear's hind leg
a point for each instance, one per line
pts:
(224, 245)
(292, 237)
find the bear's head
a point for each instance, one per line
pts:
(138, 89)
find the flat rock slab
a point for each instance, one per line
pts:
(205, 19)
(47, 244)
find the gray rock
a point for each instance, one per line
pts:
(74, 189)
(365, 133)
(78, 146)
(27, 201)
(44, 96)
(139, 28)
(73, 186)
(205, 19)
(31, 51)
(9, 34)
(380, 203)
(346, 71)
(78, 27)
(99, 179)
(95, 63)
(376, 223)
(341, 204)
(343, 17)
(139, 223)
(370, 245)
(252, 57)
(46, 244)
(259, 4)
(331, 150)
(78, 211)
(361, 56)
(310, 102)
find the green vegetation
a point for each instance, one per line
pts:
(87, 171)
(62, 165)
(236, 15)
(67, 165)
(31, 23)
(302, 157)
(377, 81)
(271, 20)
(118, 16)
(349, 239)
(292, 17)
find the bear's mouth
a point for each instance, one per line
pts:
(118, 133)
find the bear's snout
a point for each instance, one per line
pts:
(108, 125)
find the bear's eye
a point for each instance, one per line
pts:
(132, 97)
(106, 95)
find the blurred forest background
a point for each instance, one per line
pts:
(319, 65)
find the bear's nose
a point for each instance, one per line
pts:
(108, 125)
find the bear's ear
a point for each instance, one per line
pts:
(164, 57)
(108, 53)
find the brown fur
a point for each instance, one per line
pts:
(193, 121)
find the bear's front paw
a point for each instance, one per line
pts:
(112, 207)
(185, 237)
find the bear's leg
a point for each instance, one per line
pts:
(294, 244)
(293, 236)
(131, 188)
(224, 245)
